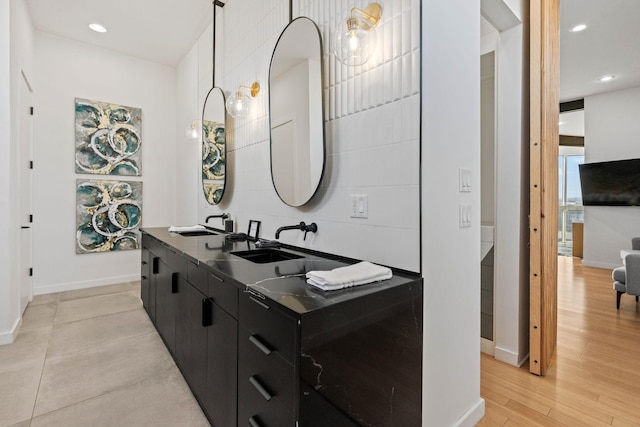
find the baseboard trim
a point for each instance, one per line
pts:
(487, 347)
(506, 356)
(598, 264)
(472, 416)
(10, 336)
(61, 287)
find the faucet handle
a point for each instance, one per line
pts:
(313, 227)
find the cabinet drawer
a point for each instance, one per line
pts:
(197, 276)
(154, 246)
(253, 405)
(276, 330)
(273, 372)
(176, 263)
(224, 293)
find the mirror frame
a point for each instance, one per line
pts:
(204, 109)
(322, 109)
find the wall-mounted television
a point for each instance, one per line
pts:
(615, 183)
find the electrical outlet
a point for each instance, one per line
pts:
(359, 206)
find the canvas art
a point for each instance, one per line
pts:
(108, 138)
(213, 160)
(108, 215)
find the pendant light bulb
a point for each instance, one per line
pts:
(354, 40)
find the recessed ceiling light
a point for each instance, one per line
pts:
(607, 78)
(98, 28)
(578, 28)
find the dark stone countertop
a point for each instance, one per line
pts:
(281, 281)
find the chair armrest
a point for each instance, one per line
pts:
(632, 267)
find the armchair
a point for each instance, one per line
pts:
(627, 278)
(635, 243)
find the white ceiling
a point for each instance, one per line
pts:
(609, 45)
(163, 31)
(159, 31)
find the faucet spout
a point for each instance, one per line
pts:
(223, 216)
(313, 227)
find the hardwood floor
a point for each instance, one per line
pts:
(594, 379)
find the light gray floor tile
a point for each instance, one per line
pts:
(45, 299)
(18, 389)
(97, 331)
(90, 373)
(26, 423)
(38, 316)
(30, 346)
(92, 292)
(161, 400)
(136, 287)
(85, 308)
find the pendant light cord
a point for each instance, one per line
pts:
(213, 59)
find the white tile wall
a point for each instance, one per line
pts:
(372, 115)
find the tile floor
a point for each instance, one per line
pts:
(92, 357)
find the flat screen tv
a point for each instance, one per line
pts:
(614, 183)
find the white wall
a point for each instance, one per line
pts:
(451, 255)
(16, 48)
(611, 133)
(66, 69)
(372, 135)
(7, 260)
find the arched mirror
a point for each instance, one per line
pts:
(214, 147)
(296, 114)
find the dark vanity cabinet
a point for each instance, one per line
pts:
(260, 348)
(195, 314)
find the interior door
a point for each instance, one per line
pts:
(25, 157)
(543, 186)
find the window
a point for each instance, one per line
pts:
(569, 197)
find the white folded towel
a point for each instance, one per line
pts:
(176, 229)
(353, 275)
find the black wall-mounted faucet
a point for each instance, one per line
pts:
(313, 227)
(222, 216)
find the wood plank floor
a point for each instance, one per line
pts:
(595, 375)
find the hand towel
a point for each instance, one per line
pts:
(353, 275)
(176, 229)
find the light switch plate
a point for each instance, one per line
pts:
(359, 206)
(465, 180)
(465, 215)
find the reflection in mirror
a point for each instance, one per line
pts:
(214, 148)
(296, 113)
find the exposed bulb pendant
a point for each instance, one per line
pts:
(193, 132)
(238, 103)
(354, 40)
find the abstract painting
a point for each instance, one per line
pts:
(108, 215)
(108, 138)
(213, 161)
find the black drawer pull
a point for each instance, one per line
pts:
(207, 312)
(156, 262)
(263, 391)
(144, 262)
(253, 422)
(216, 277)
(144, 277)
(256, 341)
(174, 283)
(260, 303)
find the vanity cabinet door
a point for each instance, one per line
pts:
(165, 307)
(222, 368)
(191, 337)
(145, 277)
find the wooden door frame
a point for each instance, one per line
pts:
(544, 101)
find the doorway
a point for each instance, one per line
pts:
(25, 169)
